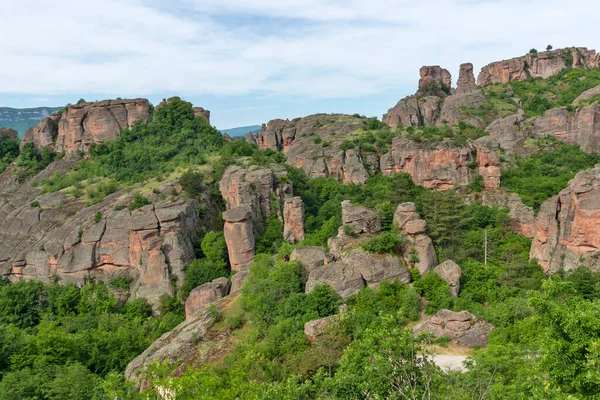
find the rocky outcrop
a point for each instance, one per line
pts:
(151, 245)
(539, 65)
(453, 110)
(450, 272)
(237, 281)
(314, 330)
(310, 257)
(360, 219)
(201, 112)
(8, 133)
(432, 76)
(240, 236)
(581, 128)
(511, 132)
(466, 79)
(418, 252)
(203, 295)
(82, 124)
(293, 217)
(462, 327)
(414, 111)
(356, 270)
(566, 230)
(313, 144)
(588, 94)
(488, 161)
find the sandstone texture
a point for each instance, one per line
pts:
(541, 65)
(313, 330)
(293, 217)
(201, 112)
(418, 251)
(80, 125)
(450, 272)
(240, 236)
(566, 230)
(433, 75)
(360, 219)
(588, 94)
(452, 111)
(62, 238)
(462, 327)
(522, 217)
(310, 257)
(466, 79)
(206, 294)
(414, 111)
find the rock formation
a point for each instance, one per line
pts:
(539, 65)
(453, 110)
(240, 236)
(510, 133)
(522, 217)
(314, 330)
(310, 257)
(360, 219)
(418, 252)
(466, 79)
(566, 230)
(8, 133)
(203, 295)
(201, 112)
(82, 124)
(432, 76)
(588, 94)
(150, 245)
(293, 217)
(414, 111)
(450, 272)
(462, 327)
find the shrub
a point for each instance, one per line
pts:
(192, 182)
(434, 289)
(138, 202)
(200, 272)
(386, 242)
(97, 217)
(34, 204)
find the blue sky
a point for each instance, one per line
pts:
(249, 61)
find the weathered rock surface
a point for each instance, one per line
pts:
(433, 75)
(511, 132)
(450, 272)
(418, 244)
(239, 236)
(588, 94)
(522, 217)
(293, 217)
(360, 219)
(414, 111)
(453, 109)
(180, 344)
(237, 281)
(461, 327)
(541, 65)
(82, 124)
(466, 79)
(201, 112)
(61, 237)
(313, 144)
(566, 231)
(345, 279)
(581, 128)
(313, 330)
(8, 133)
(203, 295)
(310, 257)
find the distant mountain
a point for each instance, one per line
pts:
(242, 130)
(21, 119)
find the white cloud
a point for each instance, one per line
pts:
(325, 49)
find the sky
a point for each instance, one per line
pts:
(250, 61)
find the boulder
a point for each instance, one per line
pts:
(566, 229)
(360, 219)
(313, 330)
(432, 76)
(344, 278)
(466, 79)
(205, 294)
(237, 281)
(415, 227)
(239, 236)
(375, 268)
(310, 257)
(293, 217)
(421, 246)
(540, 65)
(588, 94)
(462, 327)
(453, 110)
(405, 212)
(450, 272)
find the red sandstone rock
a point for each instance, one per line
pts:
(450, 272)
(239, 236)
(466, 79)
(203, 295)
(293, 217)
(8, 133)
(201, 112)
(461, 327)
(414, 110)
(431, 75)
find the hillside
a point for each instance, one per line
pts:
(21, 119)
(144, 254)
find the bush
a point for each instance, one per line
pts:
(386, 242)
(97, 217)
(138, 201)
(200, 272)
(436, 290)
(192, 182)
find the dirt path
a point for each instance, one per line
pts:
(450, 362)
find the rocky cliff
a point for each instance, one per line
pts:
(538, 65)
(566, 229)
(53, 236)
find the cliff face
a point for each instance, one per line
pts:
(61, 237)
(76, 128)
(540, 65)
(566, 229)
